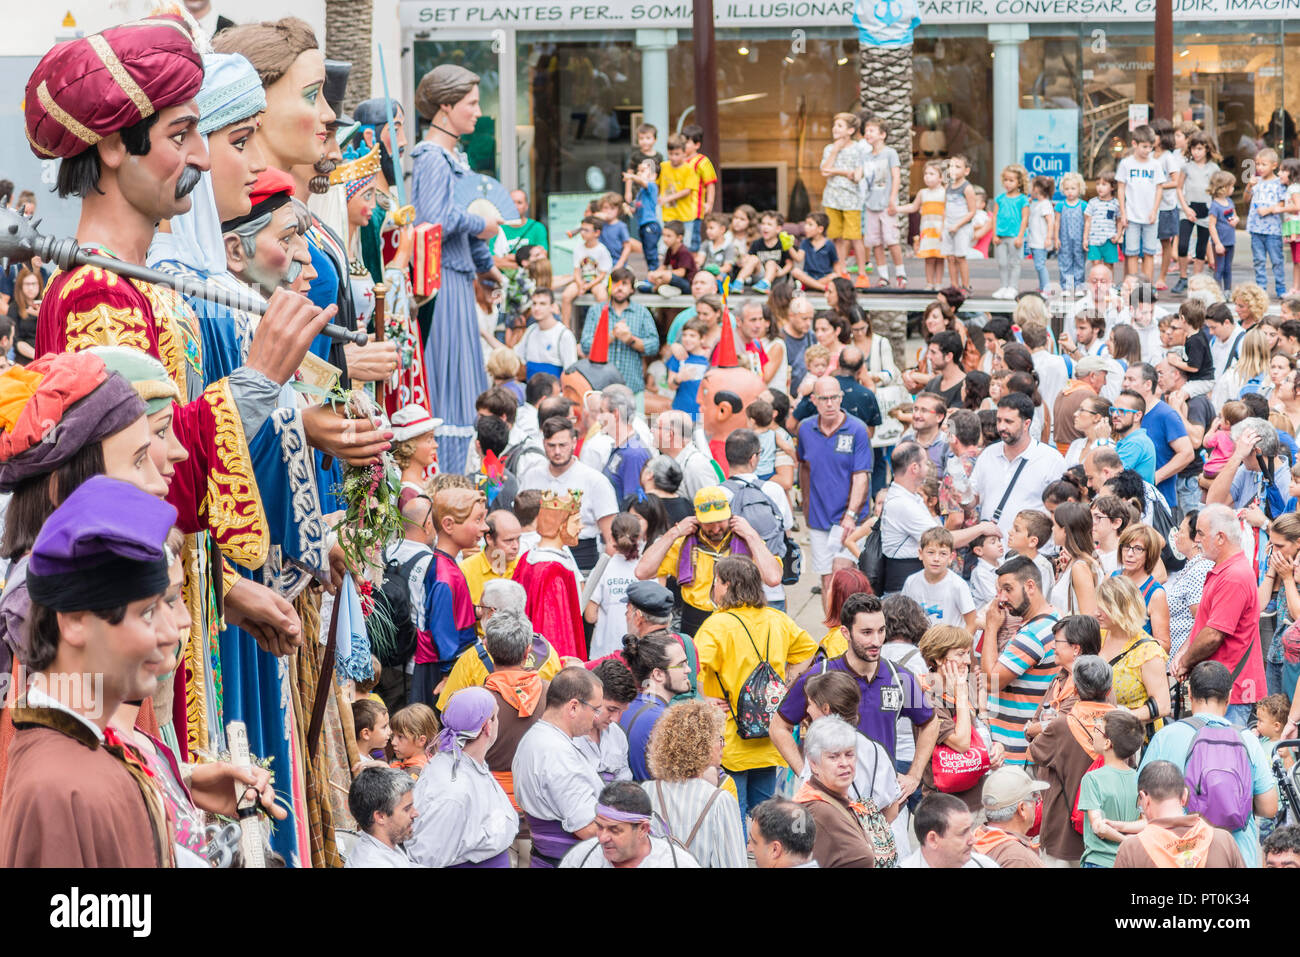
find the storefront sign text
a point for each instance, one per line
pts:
(676, 14)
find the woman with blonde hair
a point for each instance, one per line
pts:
(684, 793)
(1139, 554)
(947, 653)
(1251, 303)
(503, 366)
(1248, 373)
(1140, 682)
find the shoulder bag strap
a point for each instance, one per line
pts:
(1250, 646)
(699, 822)
(1015, 477)
(631, 723)
(1123, 654)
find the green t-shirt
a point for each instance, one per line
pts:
(1114, 792)
(531, 233)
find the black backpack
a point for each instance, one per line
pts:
(512, 454)
(390, 626)
(751, 503)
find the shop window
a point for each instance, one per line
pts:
(579, 106)
(952, 105)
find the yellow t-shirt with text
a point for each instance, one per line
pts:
(728, 656)
(673, 179)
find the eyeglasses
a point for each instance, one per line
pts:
(595, 708)
(679, 667)
(1114, 409)
(833, 397)
(1134, 547)
(718, 506)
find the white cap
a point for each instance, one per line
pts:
(411, 421)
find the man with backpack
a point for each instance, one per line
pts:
(887, 693)
(1228, 777)
(400, 598)
(1172, 837)
(762, 504)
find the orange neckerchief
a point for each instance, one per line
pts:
(1167, 849)
(807, 793)
(988, 838)
(1064, 690)
(1085, 716)
(522, 690)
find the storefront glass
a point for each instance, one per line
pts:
(1229, 79)
(952, 100)
(579, 103)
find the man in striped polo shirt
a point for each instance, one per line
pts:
(1019, 676)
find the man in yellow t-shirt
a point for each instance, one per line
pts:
(708, 535)
(679, 184)
(731, 643)
(471, 668)
(501, 551)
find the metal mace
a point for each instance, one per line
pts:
(19, 240)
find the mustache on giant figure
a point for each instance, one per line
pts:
(320, 183)
(186, 182)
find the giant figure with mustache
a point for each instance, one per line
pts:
(118, 108)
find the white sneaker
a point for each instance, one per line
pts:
(1000, 293)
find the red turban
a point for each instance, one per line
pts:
(92, 87)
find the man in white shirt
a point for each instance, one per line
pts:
(742, 451)
(1224, 333)
(1010, 475)
(382, 802)
(946, 832)
(555, 784)
(1052, 371)
(623, 835)
(905, 518)
(562, 473)
(675, 430)
(782, 834)
(605, 745)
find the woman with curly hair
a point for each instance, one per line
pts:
(684, 757)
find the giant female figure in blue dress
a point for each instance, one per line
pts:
(448, 98)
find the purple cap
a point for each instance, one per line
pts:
(102, 548)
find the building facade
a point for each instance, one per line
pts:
(566, 84)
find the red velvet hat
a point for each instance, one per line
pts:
(272, 189)
(92, 87)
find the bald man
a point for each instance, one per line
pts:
(499, 558)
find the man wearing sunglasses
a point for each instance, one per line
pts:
(1135, 448)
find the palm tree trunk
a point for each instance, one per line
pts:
(348, 37)
(886, 90)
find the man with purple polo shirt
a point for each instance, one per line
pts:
(835, 469)
(886, 693)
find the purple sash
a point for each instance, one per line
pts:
(550, 841)
(686, 562)
(500, 860)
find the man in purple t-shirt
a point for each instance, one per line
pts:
(629, 456)
(887, 692)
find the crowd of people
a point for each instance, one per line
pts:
(512, 592)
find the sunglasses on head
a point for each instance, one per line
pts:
(712, 507)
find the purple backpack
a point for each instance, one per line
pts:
(1218, 775)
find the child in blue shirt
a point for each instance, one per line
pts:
(688, 363)
(1067, 233)
(816, 257)
(1011, 219)
(645, 208)
(614, 235)
(1267, 197)
(1223, 226)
